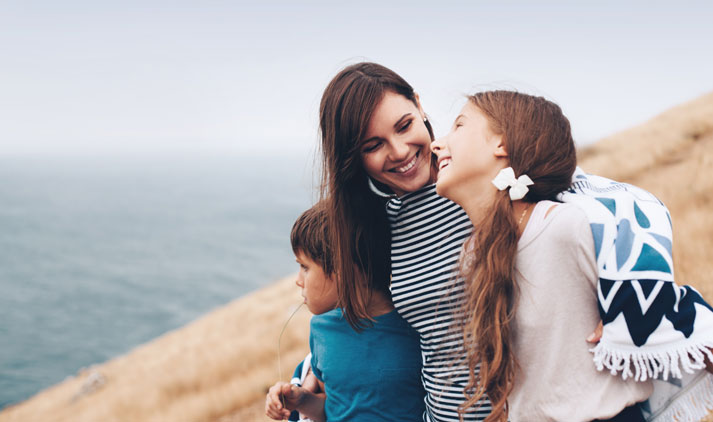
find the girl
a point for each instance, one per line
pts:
(532, 268)
(376, 149)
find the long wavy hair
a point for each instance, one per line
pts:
(538, 141)
(359, 229)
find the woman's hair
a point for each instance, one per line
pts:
(311, 237)
(538, 141)
(359, 229)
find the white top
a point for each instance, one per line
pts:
(556, 273)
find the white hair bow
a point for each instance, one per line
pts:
(518, 187)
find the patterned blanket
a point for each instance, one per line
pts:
(653, 328)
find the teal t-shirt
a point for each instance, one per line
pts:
(370, 376)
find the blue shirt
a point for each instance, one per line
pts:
(370, 376)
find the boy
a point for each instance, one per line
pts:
(371, 375)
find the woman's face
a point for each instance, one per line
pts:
(469, 157)
(396, 148)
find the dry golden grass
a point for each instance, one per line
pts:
(219, 367)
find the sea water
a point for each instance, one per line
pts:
(101, 254)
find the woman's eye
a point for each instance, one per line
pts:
(370, 147)
(405, 126)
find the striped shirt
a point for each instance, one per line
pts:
(427, 233)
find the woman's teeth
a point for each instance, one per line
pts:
(408, 166)
(444, 163)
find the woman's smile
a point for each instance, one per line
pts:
(403, 169)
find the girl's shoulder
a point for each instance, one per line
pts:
(561, 212)
(564, 222)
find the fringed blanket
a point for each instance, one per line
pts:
(652, 327)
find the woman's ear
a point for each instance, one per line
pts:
(418, 105)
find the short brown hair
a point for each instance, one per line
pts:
(311, 237)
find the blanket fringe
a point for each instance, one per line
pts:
(692, 405)
(649, 364)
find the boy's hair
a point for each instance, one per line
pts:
(310, 236)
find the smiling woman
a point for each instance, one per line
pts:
(374, 132)
(396, 150)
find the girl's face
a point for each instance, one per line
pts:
(395, 150)
(469, 157)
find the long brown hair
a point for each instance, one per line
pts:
(538, 141)
(359, 229)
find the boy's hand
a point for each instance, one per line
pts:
(311, 383)
(292, 396)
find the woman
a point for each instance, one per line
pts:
(533, 270)
(376, 150)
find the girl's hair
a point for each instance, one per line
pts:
(539, 143)
(359, 229)
(311, 237)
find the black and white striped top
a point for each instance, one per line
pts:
(427, 233)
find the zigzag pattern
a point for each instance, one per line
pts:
(657, 299)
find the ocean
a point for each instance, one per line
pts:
(100, 254)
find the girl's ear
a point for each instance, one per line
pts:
(500, 151)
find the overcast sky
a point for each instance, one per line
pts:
(151, 75)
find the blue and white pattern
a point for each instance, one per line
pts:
(653, 328)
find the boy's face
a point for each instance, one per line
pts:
(319, 291)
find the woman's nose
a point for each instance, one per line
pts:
(399, 150)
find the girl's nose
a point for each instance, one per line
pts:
(437, 145)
